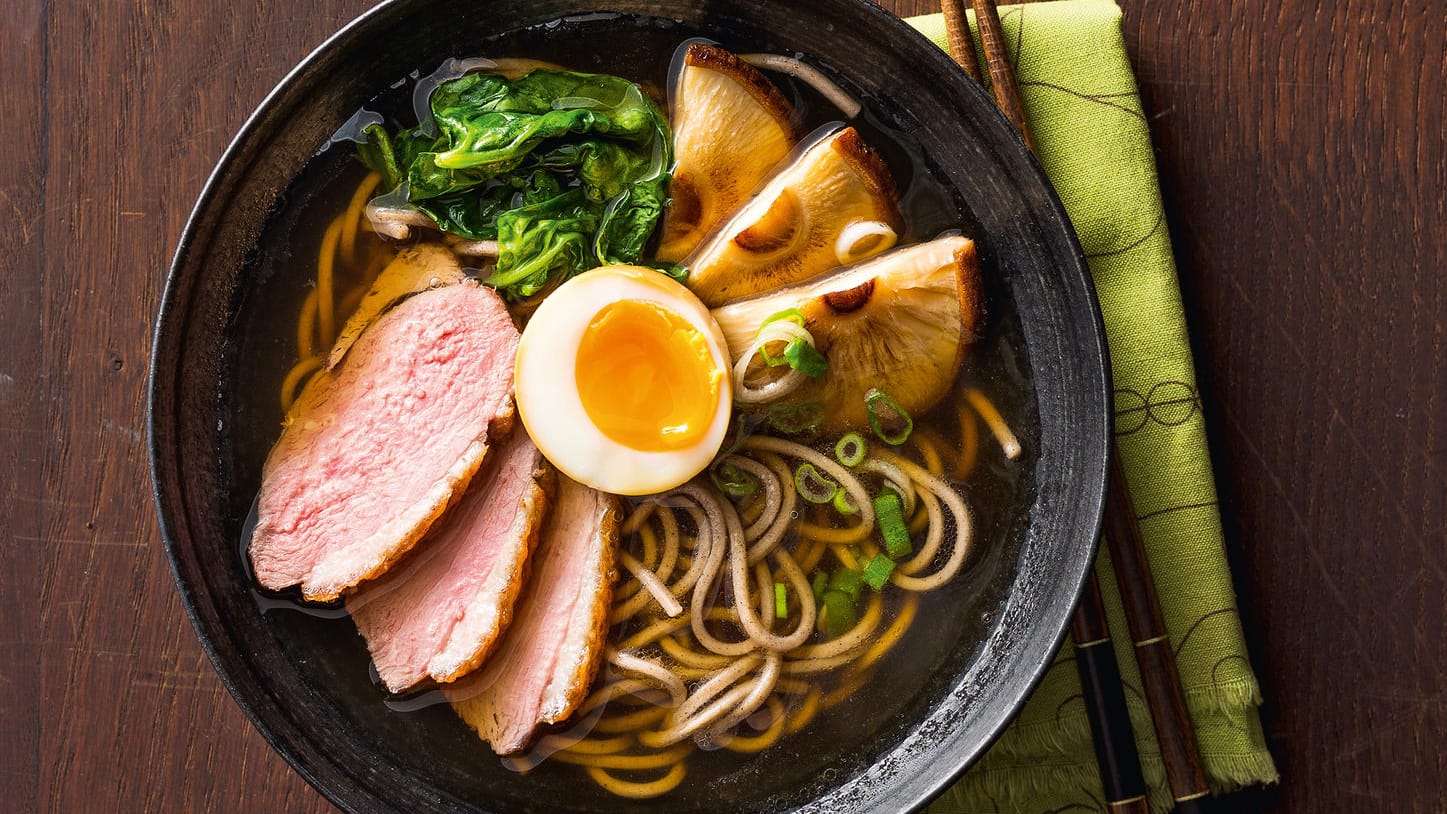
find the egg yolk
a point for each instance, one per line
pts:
(646, 377)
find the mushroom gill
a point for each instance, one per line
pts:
(730, 128)
(900, 323)
(792, 228)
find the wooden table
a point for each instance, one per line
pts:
(1301, 155)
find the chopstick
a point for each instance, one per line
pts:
(1110, 728)
(1159, 679)
(1002, 73)
(962, 47)
(1102, 689)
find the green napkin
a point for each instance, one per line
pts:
(1092, 139)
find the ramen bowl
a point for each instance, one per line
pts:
(302, 676)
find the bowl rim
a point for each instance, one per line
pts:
(326, 775)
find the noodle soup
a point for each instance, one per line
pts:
(761, 614)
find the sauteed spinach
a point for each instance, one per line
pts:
(566, 171)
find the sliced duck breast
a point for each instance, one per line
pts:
(552, 651)
(415, 268)
(374, 452)
(439, 612)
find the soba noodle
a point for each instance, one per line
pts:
(733, 658)
(359, 262)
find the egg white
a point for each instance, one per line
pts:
(547, 393)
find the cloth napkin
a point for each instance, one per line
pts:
(1092, 139)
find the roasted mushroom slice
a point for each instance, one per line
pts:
(899, 324)
(832, 206)
(730, 128)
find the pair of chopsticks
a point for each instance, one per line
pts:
(1104, 694)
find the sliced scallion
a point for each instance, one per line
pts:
(787, 315)
(733, 481)
(889, 514)
(819, 585)
(837, 614)
(851, 449)
(814, 486)
(844, 504)
(793, 315)
(800, 354)
(877, 571)
(847, 580)
(796, 419)
(781, 601)
(883, 411)
(774, 360)
(805, 358)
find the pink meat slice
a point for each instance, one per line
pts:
(439, 612)
(375, 452)
(553, 650)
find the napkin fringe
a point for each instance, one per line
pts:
(1025, 788)
(1234, 772)
(1064, 736)
(1022, 787)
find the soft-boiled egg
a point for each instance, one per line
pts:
(623, 381)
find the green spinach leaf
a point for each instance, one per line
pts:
(566, 171)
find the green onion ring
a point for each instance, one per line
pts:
(851, 449)
(733, 481)
(872, 400)
(813, 486)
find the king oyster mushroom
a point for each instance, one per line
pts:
(731, 127)
(899, 323)
(803, 222)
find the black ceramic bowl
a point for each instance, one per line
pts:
(303, 680)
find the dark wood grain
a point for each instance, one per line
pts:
(1303, 166)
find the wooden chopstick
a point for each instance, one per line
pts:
(1002, 73)
(1104, 694)
(1161, 683)
(962, 46)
